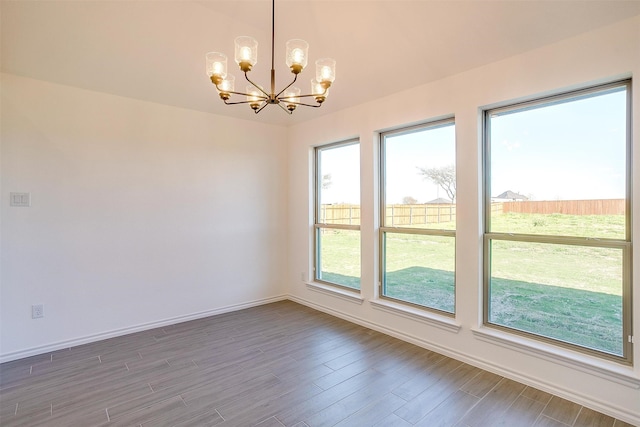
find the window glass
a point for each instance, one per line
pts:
(419, 199)
(570, 293)
(337, 214)
(420, 269)
(559, 168)
(420, 178)
(557, 235)
(339, 257)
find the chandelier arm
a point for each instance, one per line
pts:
(262, 98)
(305, 105)
(288, 86)
(241, 102)
(324, 93)
(256, 86)
(261, 108)
(285, 110)
(309, 95)
(231, 92)
(315, 95)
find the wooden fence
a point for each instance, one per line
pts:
(403, 215)
(397, 215)
(567, 207)
(340, 214)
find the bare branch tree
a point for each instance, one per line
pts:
(444, 176)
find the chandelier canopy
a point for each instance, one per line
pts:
(246, 56)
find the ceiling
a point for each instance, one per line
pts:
(154, 50)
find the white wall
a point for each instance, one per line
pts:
(609, 53)
(142, 214)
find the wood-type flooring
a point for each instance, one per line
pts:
(280, 364)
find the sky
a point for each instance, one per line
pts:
(563, 151)
(342, 163)
(406, 153)
(566, 151)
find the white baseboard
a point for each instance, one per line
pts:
(571, 395)
(130, 330)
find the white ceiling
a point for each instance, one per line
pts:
(154, 50)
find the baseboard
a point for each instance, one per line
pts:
(571, 395)
(137, 328)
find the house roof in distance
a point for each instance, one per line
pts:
(439, 201)
(511, 195)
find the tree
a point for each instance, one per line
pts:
(408, 200)
(444, 176)
(326, 181)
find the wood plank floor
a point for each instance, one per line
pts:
(269, 366)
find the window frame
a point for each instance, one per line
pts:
(625, 245)
(384, 229)
(319, 226)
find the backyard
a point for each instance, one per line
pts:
(569, 293)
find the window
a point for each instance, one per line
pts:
(337, 214)
(418, 215)
(557, 243)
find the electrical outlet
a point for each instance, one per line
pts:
(302, 276)
(37, 311)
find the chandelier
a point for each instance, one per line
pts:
(246, 56)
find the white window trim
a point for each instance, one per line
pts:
(340, 292)
(439, 321)
(602, 368)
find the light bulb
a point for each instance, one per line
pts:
(297, 55)
(254, 98)
(292, 98)
(227, 84)
(225, 87)
(245, 53)
(216, 65)
(217, 68)
(253, 94)
(326, 70)
(319, 91)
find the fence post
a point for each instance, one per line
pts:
(392, 216)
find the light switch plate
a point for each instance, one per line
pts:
(22, 200)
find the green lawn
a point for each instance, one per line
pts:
(570, 293)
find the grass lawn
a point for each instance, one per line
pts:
(569, 293)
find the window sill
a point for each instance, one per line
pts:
(431, 319)
(601, 368)
(351, 296)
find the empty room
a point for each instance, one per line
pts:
(319, 212)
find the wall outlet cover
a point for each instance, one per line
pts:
(37, 311)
